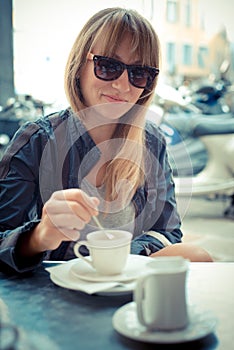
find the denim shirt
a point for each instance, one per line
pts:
(51, 154)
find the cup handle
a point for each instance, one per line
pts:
(78, 254)
(139, 298)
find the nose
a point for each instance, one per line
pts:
(122, 83)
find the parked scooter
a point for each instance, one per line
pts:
(177, 123)
(217, 177)
(201, 149)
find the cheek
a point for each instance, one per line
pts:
(87, 83)
(136, 94)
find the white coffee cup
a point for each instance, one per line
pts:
(160, 295)
(108, 253)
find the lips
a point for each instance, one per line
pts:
(115, 99)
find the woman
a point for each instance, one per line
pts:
(98, 157)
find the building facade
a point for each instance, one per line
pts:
(187, 52)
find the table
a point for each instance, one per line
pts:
(56, 318)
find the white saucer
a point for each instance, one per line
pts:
(61, 275)
(85, 272)
(126, 323)
(114, 291)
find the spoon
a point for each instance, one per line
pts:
(109, 235)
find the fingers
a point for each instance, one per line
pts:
(74, 195)
(72, 211)
(73, 201)
(69, 211)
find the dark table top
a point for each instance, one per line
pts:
(50, 317)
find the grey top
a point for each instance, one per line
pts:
(117, 218)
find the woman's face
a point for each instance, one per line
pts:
(117, 92)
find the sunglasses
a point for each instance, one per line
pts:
(106, 68)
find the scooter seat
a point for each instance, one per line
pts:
(213, 127)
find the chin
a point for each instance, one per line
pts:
(112, 111)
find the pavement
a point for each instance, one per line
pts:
(204, 224)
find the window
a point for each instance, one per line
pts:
(172, 9)
(202, 55)
(170, 55)
(188, 13)
(187, 55)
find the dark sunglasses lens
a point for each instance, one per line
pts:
(141, 77)
(107, 69)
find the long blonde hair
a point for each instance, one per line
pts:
(108, 27)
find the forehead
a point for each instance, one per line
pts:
(124, 50)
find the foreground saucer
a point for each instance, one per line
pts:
(126, 323)
(61, 275)
(132, 270)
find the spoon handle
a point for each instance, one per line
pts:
(98, 222)
(108, 235)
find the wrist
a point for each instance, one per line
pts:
(28, 244)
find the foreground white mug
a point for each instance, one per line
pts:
(160, 295)
(108, 255)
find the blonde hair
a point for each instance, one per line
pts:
(108, 27)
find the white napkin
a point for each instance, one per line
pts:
(62, 273)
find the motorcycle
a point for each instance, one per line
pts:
(4, 141)
(209, 99)
(213, 96)
(17, 111)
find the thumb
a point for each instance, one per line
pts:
(95, 202)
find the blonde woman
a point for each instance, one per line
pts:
(98, 157)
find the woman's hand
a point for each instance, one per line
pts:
(63, 216)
